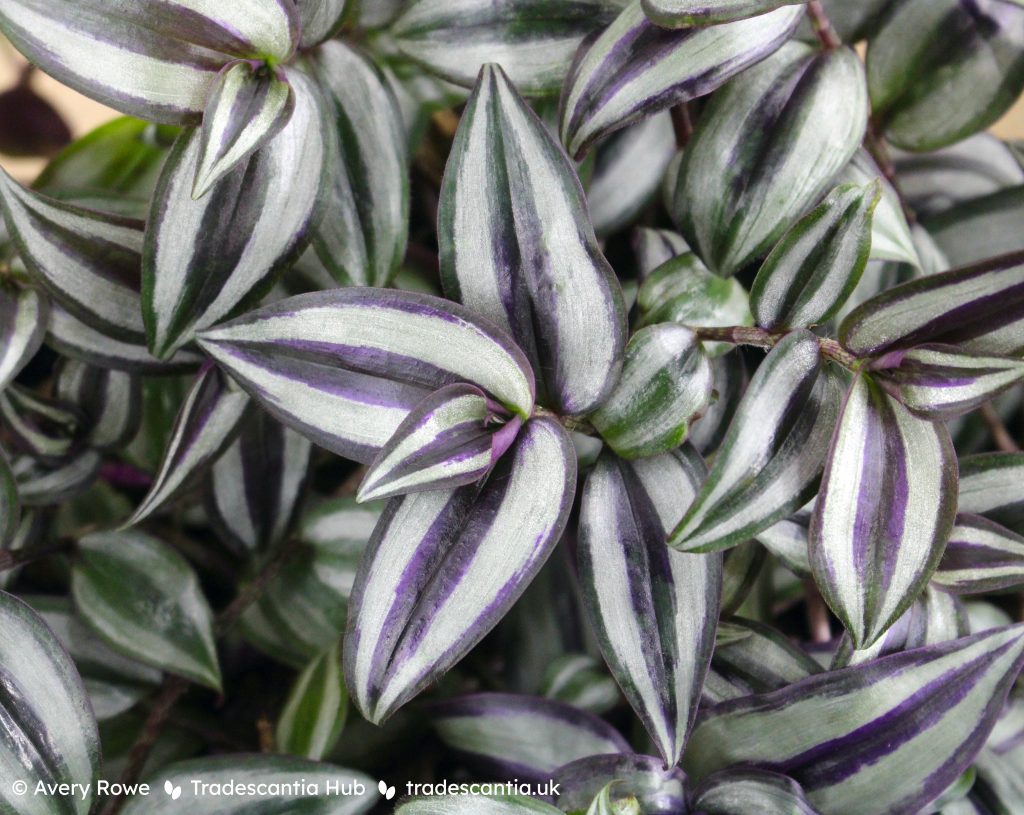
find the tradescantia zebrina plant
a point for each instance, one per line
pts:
(618, 398)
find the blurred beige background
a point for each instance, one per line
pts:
(82, 114)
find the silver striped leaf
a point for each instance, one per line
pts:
(684, 13)
(628, 171)
(941, 382)
(10, 504)
(144, 600)
(320, 20)
(981, 228)
(278, 784)
(787, 540)
(24, 314)
(683, 291)
(656, 789)
(533, 40)
(666, 381)
(256, 484)
(361, 238)
(772, 456)
(941, 71)
(444, 567)
(759, 657)
(249, 104)
(891, 237)
(743, 564)
(192, 276)
(87, 261)
(731, 378)
(816, 266)
(981, 556)
(205, 425)
(345, 367)
(580, 680)
(110, 402)
(50, 733)
(518, 247)
(653, 247)
(745, 791)
(45, 428)
(314, 713)
(992, 484)
(114, 683)
(512, 736)
(476, 805)
(635, 69)
(43, 486)
(979, 308)
(903, 727)
(853, 20)
(304, 608)
(71, 337)
(654, 610)
(787, 127)
(604, 804)
(450, 439)
(29, 528)
(886, 507)
(154, 59)
(935, 617)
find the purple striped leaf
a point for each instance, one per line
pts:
(772, 456)
(634, 69)
(45, 428)
(24, 313)
(666, 382)
(10, 504)
(450, 439)
(73, 338)
(526, 737)
(110, 402)
(256, 485)
(303, 609)
(766, 149)
(204, 427)
(40, 485)
(658, 790)
(683, 13)
(533, 40)
(885, 510)
(248, 105)
(981, 556)
(320, 20)
(362, 237)
(992, 484)
(759, 657)
(345, 367)
(943, 70)
(654, 610)
(50, 734)
(979, 308)
(204, 259)
(889, 736)
(936, 616)
(816, 266)
(444, 567)
(941, 382)
(750, 792)
(88, 261)
(518, 247)
(154, 59)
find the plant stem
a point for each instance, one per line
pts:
(827, 35)
(20, 557)
(254, 590)
(1000, 435)
(682, 124)
(744, 335)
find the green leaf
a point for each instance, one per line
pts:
(314, 714)
(766, 149)
(50, 734)
(143, 599)
(818, 263)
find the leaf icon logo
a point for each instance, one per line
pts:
(385, 790)
(172, 790)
